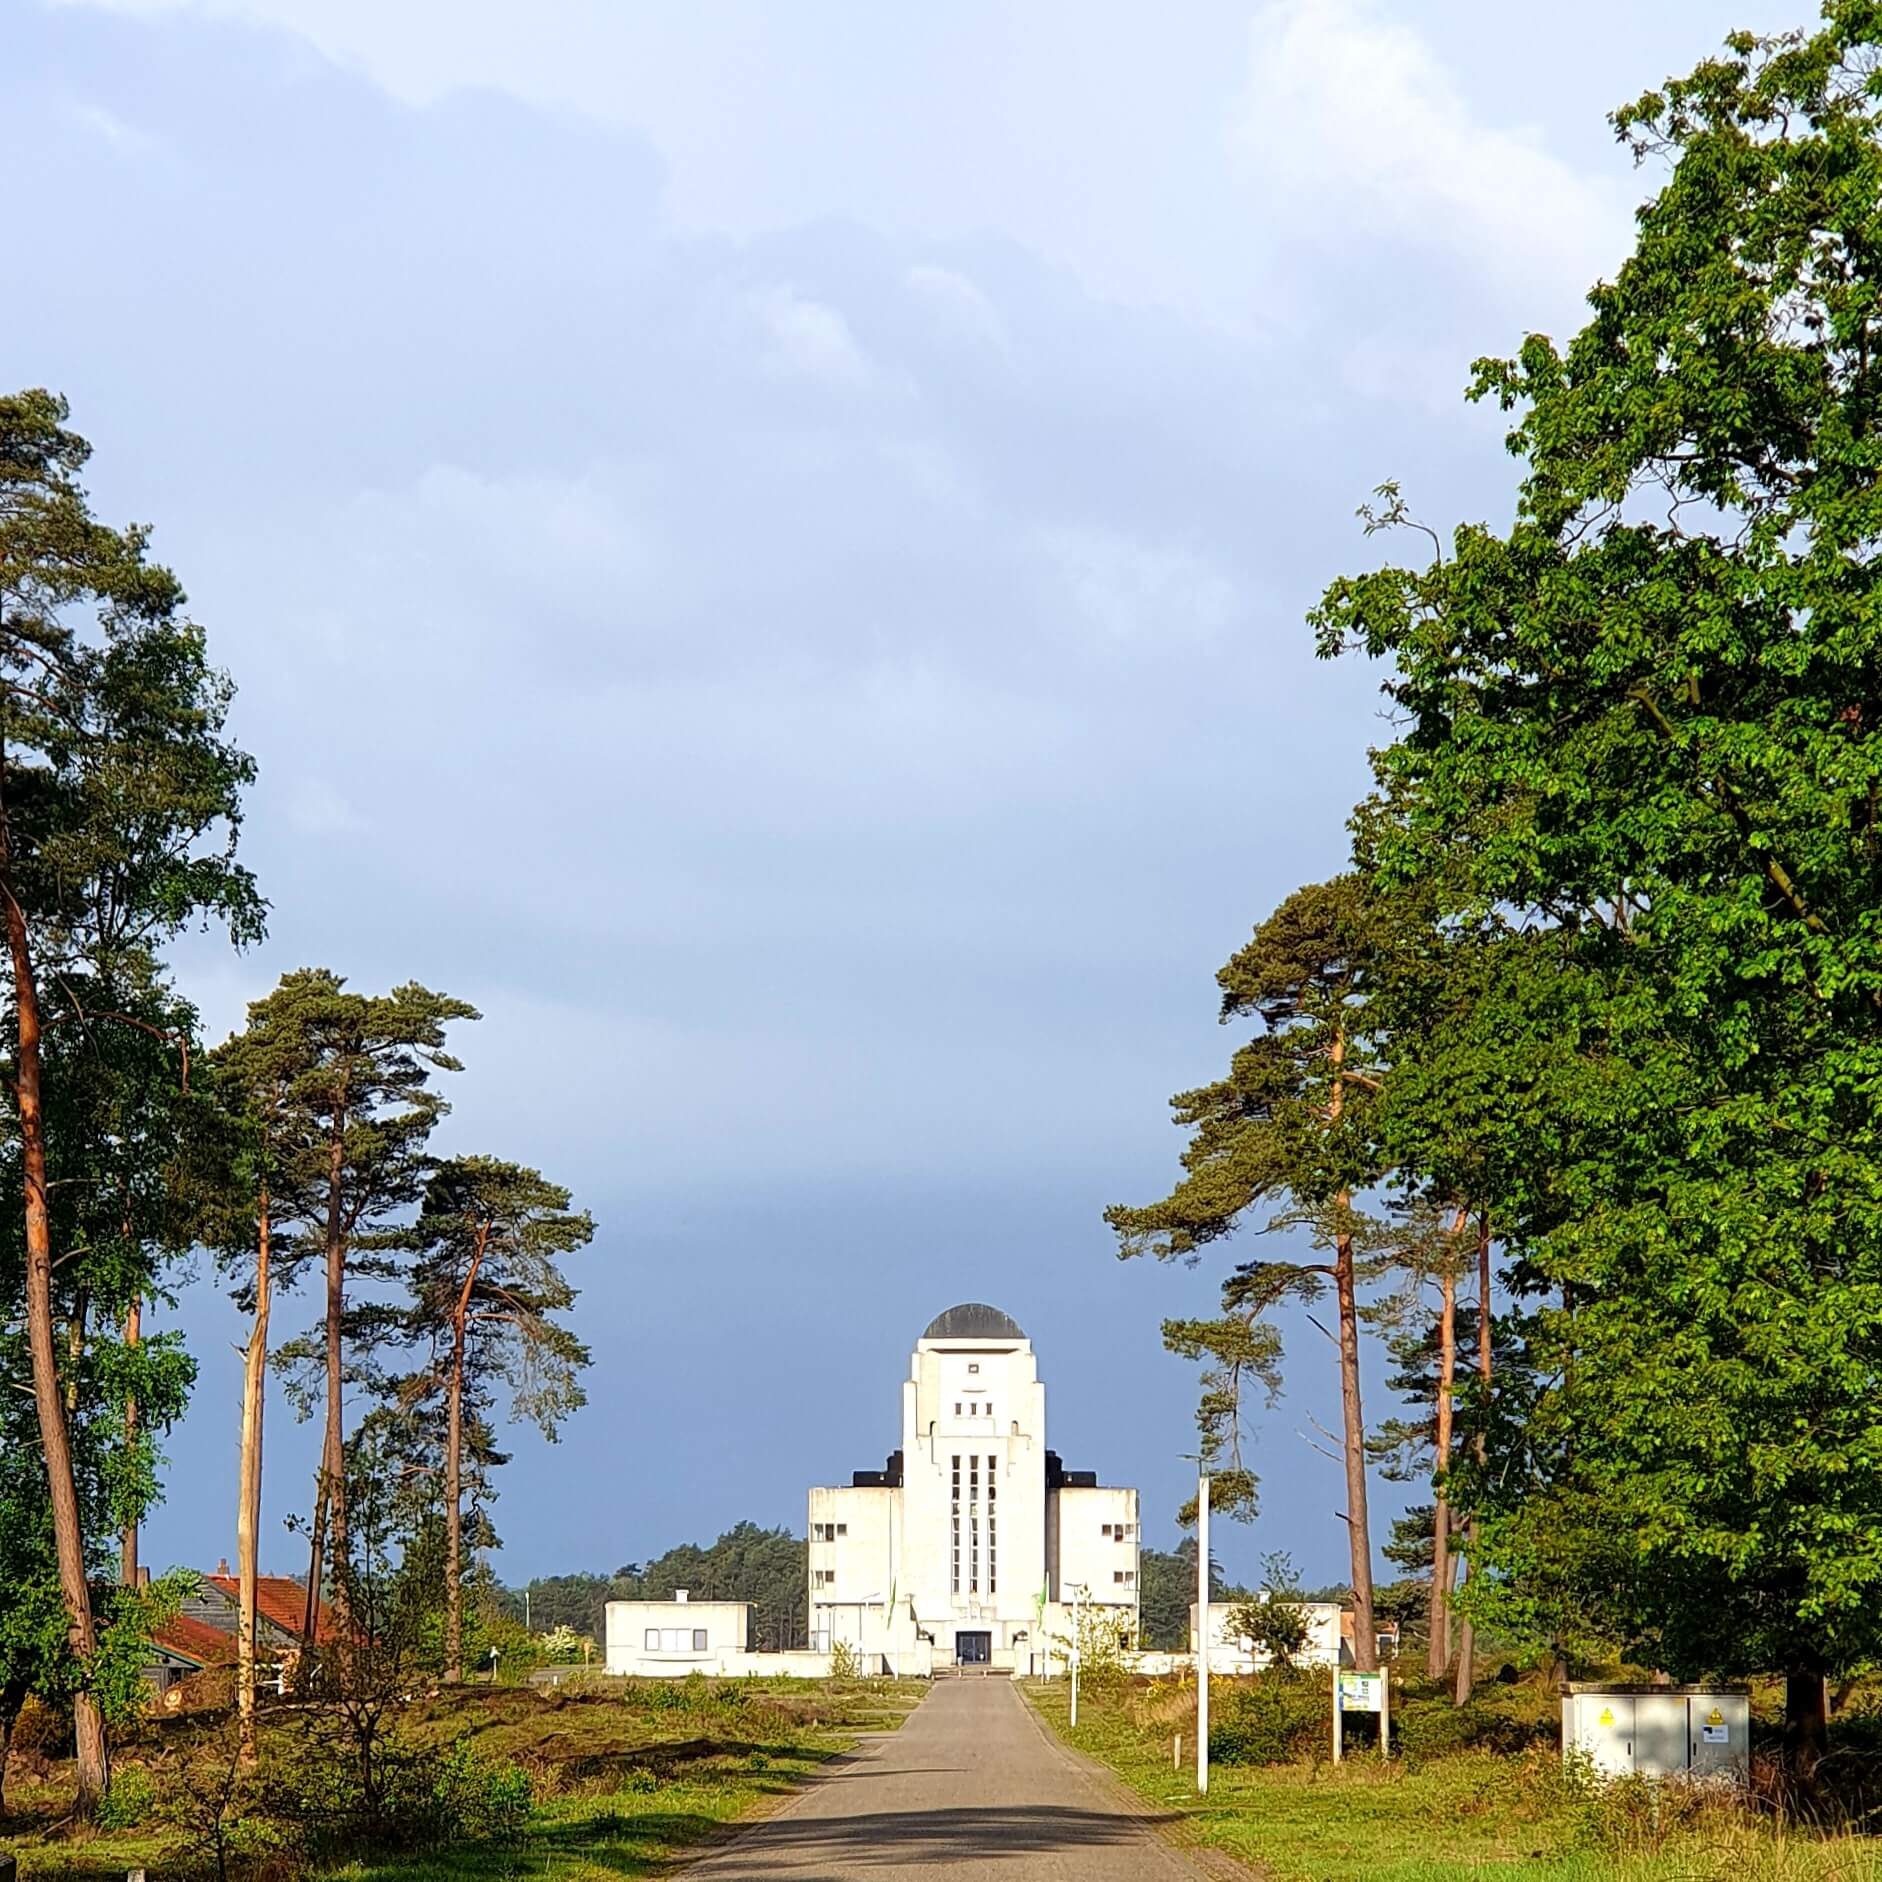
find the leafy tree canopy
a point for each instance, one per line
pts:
(1641, 743)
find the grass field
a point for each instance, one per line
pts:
(624, 1779)
(1472, 1814)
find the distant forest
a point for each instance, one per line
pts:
(769, 1568)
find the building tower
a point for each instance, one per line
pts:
(968, 1547)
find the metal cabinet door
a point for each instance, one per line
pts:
(1720, 1735)
(1603, 1730)
(1661, 1733)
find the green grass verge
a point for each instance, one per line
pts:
(625, 1785)
(1471, 1817)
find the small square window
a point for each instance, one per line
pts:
(973, 1365)
(957, 1408)
(842, 1529)
(699, 1640)
(653, 1640)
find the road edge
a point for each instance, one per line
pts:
(1178, 1832)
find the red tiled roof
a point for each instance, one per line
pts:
(281, 1600)
(195, 1640)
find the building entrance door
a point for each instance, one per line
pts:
(973, 1649)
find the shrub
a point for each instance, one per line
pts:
(843, 1662)
(562, 1646)
(41, 1726)
(475, 1800)
(1274, 1719)
(1277, 1628)
(418, 1800)
(130, 1801)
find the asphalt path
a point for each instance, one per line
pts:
(972, 1786)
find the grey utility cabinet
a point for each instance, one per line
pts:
(1659, 1731)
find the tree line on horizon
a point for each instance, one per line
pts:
(1565, 1082)
(298, 1149)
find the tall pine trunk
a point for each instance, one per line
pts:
(48, 1401)
(453, 1509)
(1359, 1528)
(248, 1509)
(1346, 1287)
(454, 1473)
(127, 1542)
(330, 1505)
(1438, 1652)
(1467, 1634)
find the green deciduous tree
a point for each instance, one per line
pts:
(119, 801)
(1648, 719)
(487, 1291)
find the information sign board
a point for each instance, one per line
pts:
(1362, 1692)
(1354, 1691)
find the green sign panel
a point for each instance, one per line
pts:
(1362, 1692)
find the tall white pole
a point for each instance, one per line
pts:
(1202, 1632)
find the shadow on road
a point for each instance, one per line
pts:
(908, 1839)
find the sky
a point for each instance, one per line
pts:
(766, 546)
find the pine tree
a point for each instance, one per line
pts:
(1293, 1125)
(487, 1287)
(357, 1071)
(258, 1166)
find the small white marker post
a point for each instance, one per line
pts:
(1075, 1659)
(1385, 1709)
(1202, 1633)
(1339, 1716)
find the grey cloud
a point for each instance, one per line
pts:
(832, 691)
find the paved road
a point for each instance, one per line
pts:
(972, 1786)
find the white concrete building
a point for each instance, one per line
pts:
(670, 1639)
(969, 1546)
(1328, 1642)
(673, 1637)
(1329, 1639)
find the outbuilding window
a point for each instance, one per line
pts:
(676, 1640)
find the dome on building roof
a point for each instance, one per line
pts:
(973, 1320)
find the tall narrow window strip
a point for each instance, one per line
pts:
(993, 1562)
(955, 1525)
(973, 1523)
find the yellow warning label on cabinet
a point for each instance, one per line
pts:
(1607, 1716)
(1715, 1717)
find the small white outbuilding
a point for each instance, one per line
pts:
(665, 1639)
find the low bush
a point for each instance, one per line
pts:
(1275, 1718)
(1424, 1728)
(131, 1800)
(407, 1798)
(476, 1800)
